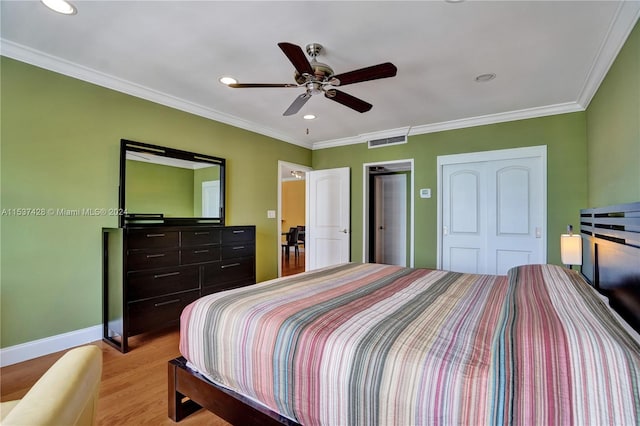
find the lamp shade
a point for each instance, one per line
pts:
(571, 249)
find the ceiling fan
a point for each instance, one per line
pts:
(318, 78)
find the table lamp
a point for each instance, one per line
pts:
(571, 248)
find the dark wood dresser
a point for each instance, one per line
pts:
(150, 273)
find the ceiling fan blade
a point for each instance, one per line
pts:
(297, 57)
(253, 85)
(297, 104)
(348, 100)
(369, 73)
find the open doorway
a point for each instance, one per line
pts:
(291, 217)
(388, 213)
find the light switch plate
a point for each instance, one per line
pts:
(425, 193)
(271, 214)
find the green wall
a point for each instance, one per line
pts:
(156, 188)
(60, 150)
(613, 130)
(564, 135)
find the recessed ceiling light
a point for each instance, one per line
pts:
(228, 80)
(309, 117)
(482, 78)
(60, 6)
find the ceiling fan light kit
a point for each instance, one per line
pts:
(318, 78)
(60, 6)
(227, 80)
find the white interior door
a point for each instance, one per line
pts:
(211, 198)
(328, 218)
(493, 215)
(391, 219)
(463, 229)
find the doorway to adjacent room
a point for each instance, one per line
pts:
(388, 213)
(291, 217)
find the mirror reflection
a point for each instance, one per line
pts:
(173, 187)
(171, 183)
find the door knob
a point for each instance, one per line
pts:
(344, 231)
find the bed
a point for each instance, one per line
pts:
(379, 344)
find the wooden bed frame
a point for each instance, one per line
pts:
(190, 391)
(611, 263)
(611, 256)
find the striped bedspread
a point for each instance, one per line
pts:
(369, 344)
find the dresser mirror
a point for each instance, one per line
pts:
(165, 185)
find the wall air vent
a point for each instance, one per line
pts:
(394, 140)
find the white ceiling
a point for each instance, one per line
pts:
(549, 57)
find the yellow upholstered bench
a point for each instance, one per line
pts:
(67, 394)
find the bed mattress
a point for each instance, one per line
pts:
(377, 344)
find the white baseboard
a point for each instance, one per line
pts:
(49, 345)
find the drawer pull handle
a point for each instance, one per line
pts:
(240, 231)
(168, 302)
(238, 248)
(149, 256)
(200, 251)
(229, 266)
(170, 274)
(155, 235)
(202, 233)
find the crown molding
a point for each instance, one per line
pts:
(621, 26)
(52, 63)
(501, 117)
(456, 124)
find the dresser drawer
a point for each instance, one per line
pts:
(200, 254)
(149, 259)
(237, 250)
(200, 237)
(217, 288)
(238, 235)
(144, 285)
(220, 274)
(158, 312)
(150, 239)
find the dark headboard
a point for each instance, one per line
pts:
(611, 256)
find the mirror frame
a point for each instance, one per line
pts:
(133, 146)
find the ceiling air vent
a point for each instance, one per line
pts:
(394, 140)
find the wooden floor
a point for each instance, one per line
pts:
(292, 265)
(134, 385)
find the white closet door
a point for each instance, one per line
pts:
(492, 215)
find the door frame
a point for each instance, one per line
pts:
(281, 165)
(496, 155)
(365, 207)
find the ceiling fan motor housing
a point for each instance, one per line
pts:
(321, 72)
